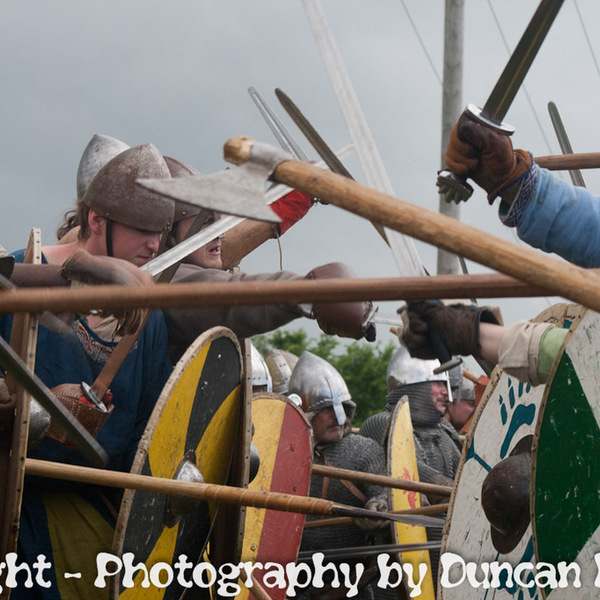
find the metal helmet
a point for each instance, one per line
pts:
(181, 169)
(280, 363)
(260, 372)
(456, 380)
(403, 370)
(467, 390)
(7, 263)
(114, 194)
(320, 386)
(100, 150)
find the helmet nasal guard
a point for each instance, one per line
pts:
(320, 386)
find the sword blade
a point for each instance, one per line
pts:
(318, 143)
(176, 254)
(280, 131)
(520, 61)
(348, 553)
(565, 144)
(310, 133)
(455, 188)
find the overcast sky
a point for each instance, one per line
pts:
(176, 74)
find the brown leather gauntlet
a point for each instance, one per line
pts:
(74, 400)
(344, 319)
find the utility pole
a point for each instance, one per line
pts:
(452, 107)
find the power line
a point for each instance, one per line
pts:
(587, 37)
(421, 42)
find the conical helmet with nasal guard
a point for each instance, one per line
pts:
(319, 385)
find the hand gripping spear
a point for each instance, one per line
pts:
(455, 188)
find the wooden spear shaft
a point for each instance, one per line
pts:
(223, 494)
(568, 162)
(382, 480)
(235, 293)
(525, 264)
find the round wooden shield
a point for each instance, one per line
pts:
(225, 546)
(507, 413)
(12, 464)
(283, 439)
(195, 416)
(566, 481)
(402, 464)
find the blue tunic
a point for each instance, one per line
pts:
(135, 389)
(556, 216)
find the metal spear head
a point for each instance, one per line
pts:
(237, 191)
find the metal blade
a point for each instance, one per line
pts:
(410, 519)
(348, 553)
(310, 133)
(86, 444)
(238, 191)
(318, 143)
(280, 131)
(185, 248)
(521, 59)
(456, 189)
(565, 144)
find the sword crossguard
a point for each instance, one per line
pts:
(478, 114)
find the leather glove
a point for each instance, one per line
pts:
(74, 400)
(486, 156)
(457, 324)
(376, 504)
(89, 269)
(291, 208)
(344, 319)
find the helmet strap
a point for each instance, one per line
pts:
(109, 240)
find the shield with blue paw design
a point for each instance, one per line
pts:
(566, 484)
(506, 416)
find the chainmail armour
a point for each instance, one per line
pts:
(436, 441)
(351, 452)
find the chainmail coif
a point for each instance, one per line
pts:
(436, 441)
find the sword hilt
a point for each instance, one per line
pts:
(452, 186)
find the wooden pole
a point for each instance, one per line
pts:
(568, 162)
(206, 491)
(525, 264)
(452, 107)
(223, 494)
(236, 293)
(382, 480)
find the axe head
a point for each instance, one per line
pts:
(238, 191)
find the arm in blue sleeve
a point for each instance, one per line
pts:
(555, 216)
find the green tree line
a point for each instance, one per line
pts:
(362, 365)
